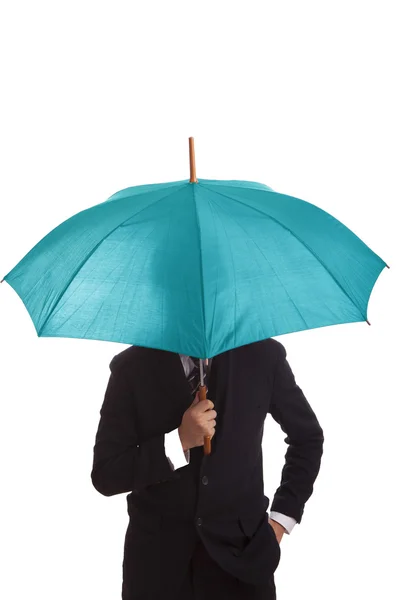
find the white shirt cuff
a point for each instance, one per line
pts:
(177, 457)
(287, 522)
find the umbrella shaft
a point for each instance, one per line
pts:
(201, 372)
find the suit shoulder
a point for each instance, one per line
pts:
(125, 358)
(274, 348)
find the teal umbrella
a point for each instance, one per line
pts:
(196, 267)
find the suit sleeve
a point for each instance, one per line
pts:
(291, 410)
(121, 461)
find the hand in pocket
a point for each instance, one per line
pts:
(279, 530)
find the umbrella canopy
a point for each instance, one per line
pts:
(195, 267)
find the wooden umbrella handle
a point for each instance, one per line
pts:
(192, 160)
(207, 438)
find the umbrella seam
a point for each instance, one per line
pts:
(102, 304)
(201, 268)
(234, 279)
(273, 270)
(229, 183)
(54, 311)
(172, 184)
(132, 267)
(301, 241)
(94, 250)
(163, 287)
(212, 325)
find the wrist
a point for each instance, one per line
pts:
(278, 525)
(279, 530)
(183, 441)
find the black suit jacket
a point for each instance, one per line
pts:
(219, 497)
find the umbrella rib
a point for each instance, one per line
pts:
(164, 287)
(201, 268)
(95, 248)
(272, 269)
(212, 321)
(234, 279)
(125, 192)
(297, 237)
(230, 184)
(102, 304)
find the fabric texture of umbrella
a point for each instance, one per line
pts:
(196, 268)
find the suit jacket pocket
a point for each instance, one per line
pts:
(262, 550)
(275, 539)
(249, 524)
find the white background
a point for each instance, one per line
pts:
(98, 96)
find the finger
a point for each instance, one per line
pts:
(204, 406)
(210, 415)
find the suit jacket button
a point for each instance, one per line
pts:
(205, 480)
(199, 521)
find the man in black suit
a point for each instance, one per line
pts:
(201, 530)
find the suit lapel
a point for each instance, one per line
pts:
(173, 382)
(174, 394)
